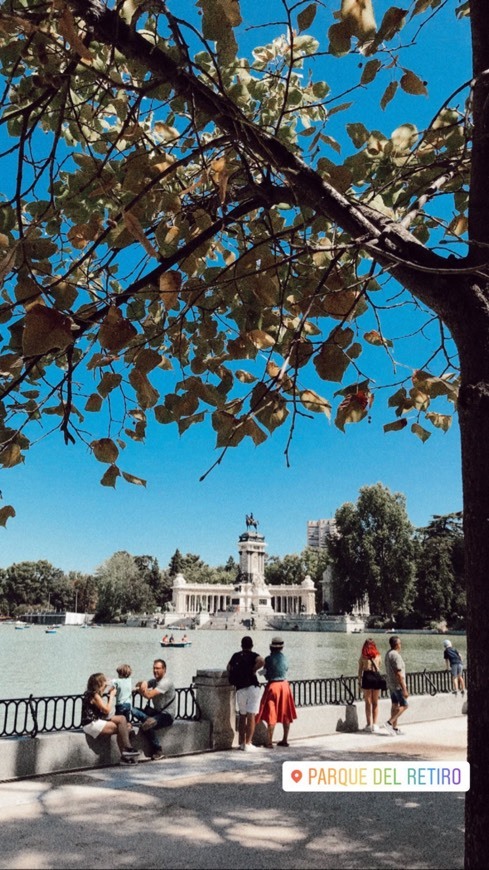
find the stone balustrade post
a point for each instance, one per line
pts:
(216, 699)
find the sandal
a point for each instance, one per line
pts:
(282, 743)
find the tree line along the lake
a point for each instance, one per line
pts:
(414, 576)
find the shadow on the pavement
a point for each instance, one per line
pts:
(238, 819)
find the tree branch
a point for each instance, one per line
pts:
(386, 241)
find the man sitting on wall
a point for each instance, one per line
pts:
(161, 708)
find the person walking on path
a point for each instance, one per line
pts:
(96, 718)
(242, 668)
(368, 677)
(277, 703)
(396, 684)
(161, 708)
(453, 661)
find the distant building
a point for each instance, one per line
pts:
(57, 617)
(318, 534)
(319, 531)
(249, 594)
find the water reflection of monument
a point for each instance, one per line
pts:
(249, 595)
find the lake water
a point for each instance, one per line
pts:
(33, 662)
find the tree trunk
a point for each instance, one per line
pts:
(473, 345)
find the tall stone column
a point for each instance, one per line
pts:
(216, 699)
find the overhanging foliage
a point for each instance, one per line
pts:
(184, 239)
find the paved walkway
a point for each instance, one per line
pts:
(228, 810)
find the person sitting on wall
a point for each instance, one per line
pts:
(161, 708)
(123, 697)
(97, 719)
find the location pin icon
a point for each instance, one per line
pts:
(296, 775)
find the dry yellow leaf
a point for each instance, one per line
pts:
(170, 284)
(66, 27)
(134, 227)
(115, 332)
(45, 330)
(360, 16)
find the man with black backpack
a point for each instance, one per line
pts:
(242, 669)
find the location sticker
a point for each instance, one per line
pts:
(390, 775)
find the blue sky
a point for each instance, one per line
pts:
(65, 516)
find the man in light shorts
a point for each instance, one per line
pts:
(242, 668)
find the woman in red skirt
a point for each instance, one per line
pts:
(277, 703)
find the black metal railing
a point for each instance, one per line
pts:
(346, 690)
(31, 716)
(328, 690)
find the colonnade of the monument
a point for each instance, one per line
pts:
(288, 604)
(192, 602)
(201, 602)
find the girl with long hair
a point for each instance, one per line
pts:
(369, 663)
(97, 718)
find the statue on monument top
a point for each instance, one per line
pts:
(251, 522)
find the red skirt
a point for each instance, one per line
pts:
(277, 704)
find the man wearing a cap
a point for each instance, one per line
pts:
(453, 660)
(277, 703)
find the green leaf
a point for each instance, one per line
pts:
(332, 360)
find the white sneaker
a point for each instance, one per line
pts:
(248, 747)
(368, 729)
(390, 730)
(375, 729)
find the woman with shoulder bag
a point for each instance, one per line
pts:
(371, 682)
